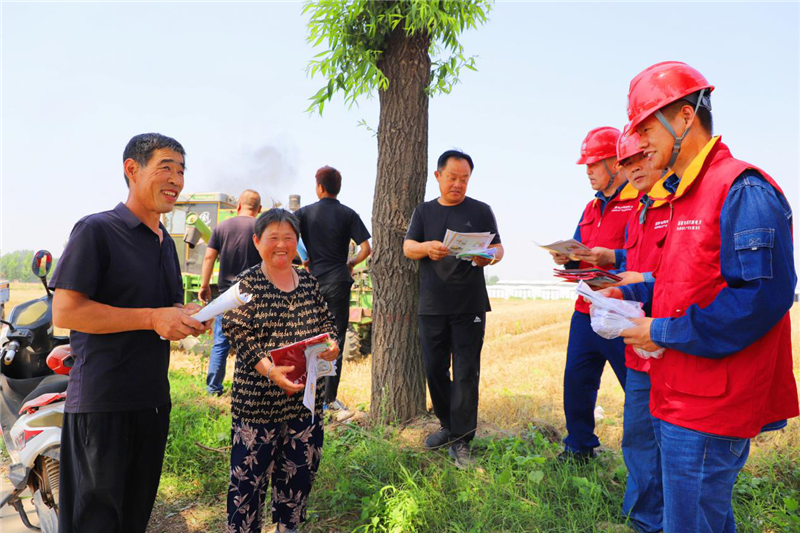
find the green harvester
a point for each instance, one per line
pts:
(191, 221)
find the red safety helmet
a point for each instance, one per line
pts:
(660, 85)
(599, 144)
(627, 144)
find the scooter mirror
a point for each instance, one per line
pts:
(42, 261)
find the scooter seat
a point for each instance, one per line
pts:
(54, 383)
(16, 392)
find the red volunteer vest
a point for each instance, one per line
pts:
(643, 247)
(606, 229)
(738, 395)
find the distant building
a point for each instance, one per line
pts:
(532, 290)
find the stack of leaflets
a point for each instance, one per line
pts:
(592, 276)
(568, 247)
(308, 368)
(467, 246)
(488, 253)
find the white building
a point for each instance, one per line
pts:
(527, 290)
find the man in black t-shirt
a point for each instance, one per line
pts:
(452, 302)
(118, 288)
(232, 241)
(327, 227)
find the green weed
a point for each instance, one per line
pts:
(371, 480)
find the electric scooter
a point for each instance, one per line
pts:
(33, 385)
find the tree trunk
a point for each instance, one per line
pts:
(398, 380)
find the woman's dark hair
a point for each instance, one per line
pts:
(141, 147)
(330, 179)
(276, 214)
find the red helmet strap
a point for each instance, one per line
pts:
(676, 147)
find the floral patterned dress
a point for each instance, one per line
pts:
(274, 441)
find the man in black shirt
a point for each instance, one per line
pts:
(452, 302)
(232, 241)
(327, 227)
(118, 288)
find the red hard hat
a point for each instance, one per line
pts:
(599, 144)
(627, 144)
(659, 85)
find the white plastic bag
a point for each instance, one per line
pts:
(610, 316)
(609, 323)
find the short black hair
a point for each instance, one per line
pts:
(141, 147)
(703, 112)
(454, 154)
(276, 214)
(330, 179)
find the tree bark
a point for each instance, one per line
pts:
(398, 379)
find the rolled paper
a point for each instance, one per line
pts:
(228, 300)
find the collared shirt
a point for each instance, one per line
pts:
(327, 227)
(114, 259)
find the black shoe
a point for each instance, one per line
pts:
(459, 451)
(578, 457)
(438, 439)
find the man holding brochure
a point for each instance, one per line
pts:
(602, 224)
(453, 300)
(118, 289)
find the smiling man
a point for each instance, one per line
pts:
(118, 289)
(452, 302)
(721, 300)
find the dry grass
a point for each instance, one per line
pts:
(522, 374)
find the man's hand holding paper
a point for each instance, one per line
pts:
(628, 278)
(639, 336)
(564, 248)
(437, 250)
(560, 259)
(174, 323)
(596, 256)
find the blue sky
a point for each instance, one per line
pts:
(228, 81)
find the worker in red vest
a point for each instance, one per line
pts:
(602, 224)
(643, 503)
(721, 300)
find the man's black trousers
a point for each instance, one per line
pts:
(110, 469)
(455, 401)
(337, 296)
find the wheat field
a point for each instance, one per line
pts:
(522, 367)
(521, 371)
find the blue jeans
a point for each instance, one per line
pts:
(587, 353)
(644, 500)
(217, 359)
(699, 470)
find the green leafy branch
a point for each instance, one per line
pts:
(356, 34)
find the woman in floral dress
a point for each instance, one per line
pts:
(275, 441)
